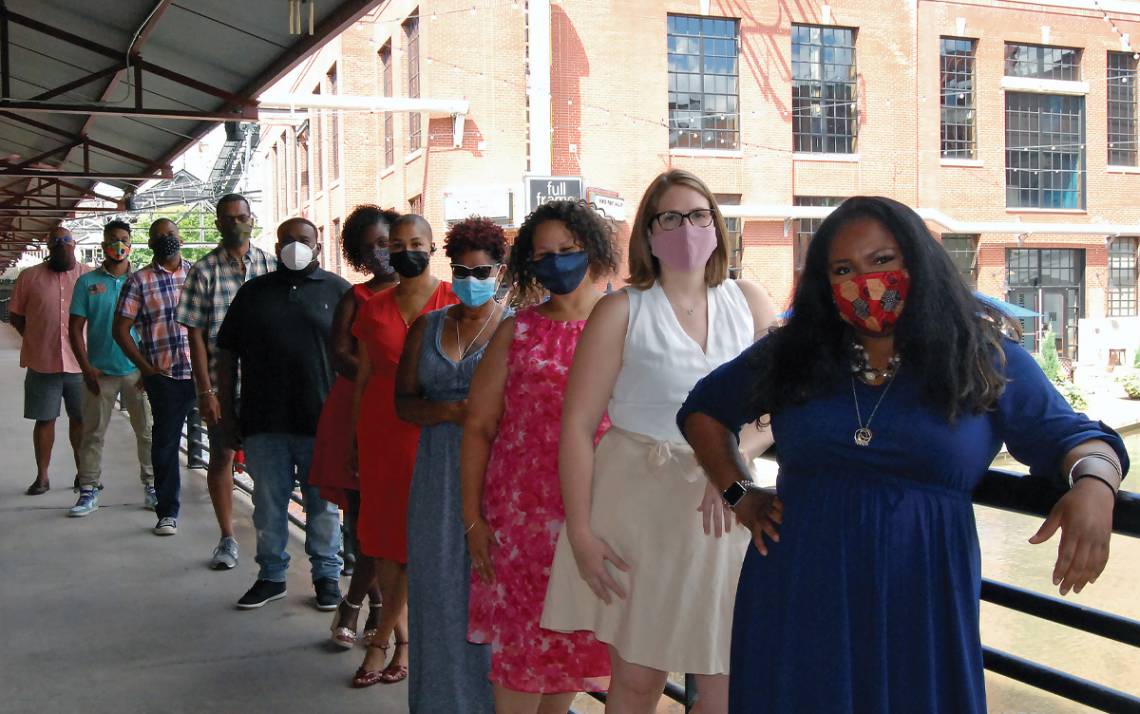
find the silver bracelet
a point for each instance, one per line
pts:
(1102, 457)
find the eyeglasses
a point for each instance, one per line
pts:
(699, 218)
(479, 272)
(56, 241)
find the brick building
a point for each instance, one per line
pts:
(1011, 125)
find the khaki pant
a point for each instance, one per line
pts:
(97, 410)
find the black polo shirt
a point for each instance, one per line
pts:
(278, 327)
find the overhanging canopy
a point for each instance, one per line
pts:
(112, 91)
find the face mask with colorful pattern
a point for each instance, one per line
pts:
(872, 302)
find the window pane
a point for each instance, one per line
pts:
(1042, 62)
(703, 66)
(1122, 120)
(823, 67)
(1045, 153)
(957, 81)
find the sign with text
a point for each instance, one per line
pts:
(543, 189)
(609, 203)
(490, 202)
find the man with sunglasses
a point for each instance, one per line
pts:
(210, 288)
(107, 373)
(147, 304)
(39, 312)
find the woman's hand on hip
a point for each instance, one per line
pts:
(761, 512)
(1084, 516)
(590, 553)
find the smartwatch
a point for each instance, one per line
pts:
(735, 492)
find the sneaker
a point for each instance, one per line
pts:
(328, 594)
(166, 526)
(88, 502)
(225, 555)
(150, 498)
(263, 591)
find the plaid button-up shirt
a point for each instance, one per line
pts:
(210, 288)
(150, 298)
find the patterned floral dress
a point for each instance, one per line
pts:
(523, 506)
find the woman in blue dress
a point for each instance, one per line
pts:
(890, 390)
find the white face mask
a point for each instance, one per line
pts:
(296, 255)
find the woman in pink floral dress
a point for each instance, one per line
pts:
(512, 507)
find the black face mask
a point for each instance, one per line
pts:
(410, 263)
(60, 262)
(166, 247)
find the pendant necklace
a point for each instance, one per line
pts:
(459, 342)
(863, 434)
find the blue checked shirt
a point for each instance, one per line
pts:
(210, 288)
(149, 297)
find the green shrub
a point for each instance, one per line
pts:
(1072, 394)
(1131, 384)
(1050, 364)
(1136, 358)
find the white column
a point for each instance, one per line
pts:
(538, 86)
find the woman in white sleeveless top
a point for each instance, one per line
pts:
(649, 556)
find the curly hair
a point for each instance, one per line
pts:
(591, 232)
(475, 233)
(358, 222)
(948, 339)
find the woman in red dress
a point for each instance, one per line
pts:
(386, 446)
(366, 249)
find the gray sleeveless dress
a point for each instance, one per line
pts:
(445, 672)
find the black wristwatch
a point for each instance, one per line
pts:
(735, 492)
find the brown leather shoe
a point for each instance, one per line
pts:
(38, 487)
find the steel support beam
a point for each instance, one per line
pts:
(149, 163)
(94, 176)
(75, 84)
(112, 53)
(247, 113)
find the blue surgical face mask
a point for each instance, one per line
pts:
(561, 273)
(473, 292)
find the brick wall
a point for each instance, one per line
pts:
(609, 99)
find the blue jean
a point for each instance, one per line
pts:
(275, 461)
(171, 401)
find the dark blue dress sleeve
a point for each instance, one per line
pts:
(1036, 423)
(725, 394)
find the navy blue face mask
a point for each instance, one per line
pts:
(561, 273)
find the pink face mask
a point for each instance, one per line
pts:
(685, 248)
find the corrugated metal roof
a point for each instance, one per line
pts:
(199, 61)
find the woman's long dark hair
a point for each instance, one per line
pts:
(948, 339)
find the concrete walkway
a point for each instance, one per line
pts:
(99, 615)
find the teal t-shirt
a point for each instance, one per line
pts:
(96, 294)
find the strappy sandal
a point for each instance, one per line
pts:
(367, 677)
(395, 672)
(370, 632)
(344, 637)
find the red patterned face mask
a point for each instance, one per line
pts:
(872, 302)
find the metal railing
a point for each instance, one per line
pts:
(1004, 490)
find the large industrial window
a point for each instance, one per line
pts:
(1122, 125)
(334, 128)
(806, 227)
(389, 125)
(1042, 62)
(824, 112)
(1122, 277)
(704, 93)
(412, 50)
(957, 57)
(963, 250)
(1044, 151)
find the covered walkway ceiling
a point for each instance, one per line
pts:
(111, 92)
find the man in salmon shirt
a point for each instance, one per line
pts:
(39, 312)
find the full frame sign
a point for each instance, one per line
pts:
(543, 189)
